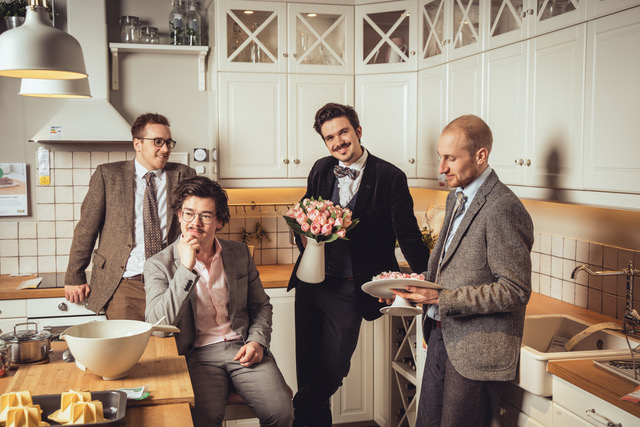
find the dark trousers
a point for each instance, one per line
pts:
(327, 327)
(449, 399)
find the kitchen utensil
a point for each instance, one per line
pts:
(28, 345)
(110, 348)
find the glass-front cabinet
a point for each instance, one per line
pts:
(276, 37)
(514, 20)
(449, 30)
(386, 37)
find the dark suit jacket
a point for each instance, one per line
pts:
(169, 286)
(385, 209)
(486, 276)
(108, 212)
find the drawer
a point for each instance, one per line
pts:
(582, 404)
(54, 307)
(59, 324)
(564, 418)
(13, 308)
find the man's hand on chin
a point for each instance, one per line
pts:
(250, 354)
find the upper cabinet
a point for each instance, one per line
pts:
(599, 8)
(386, 37)
(449, 30)
(514, 20)
(276, 37)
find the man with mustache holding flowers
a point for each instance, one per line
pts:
(328, 315)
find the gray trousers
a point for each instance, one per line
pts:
(213, 372)
(447, 399)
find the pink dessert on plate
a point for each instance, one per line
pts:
(397, 275)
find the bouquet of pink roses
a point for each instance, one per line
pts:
(320, 220)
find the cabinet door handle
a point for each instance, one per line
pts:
(519, 162)
(62, 306)
(296, 161)
(523, 14)
(530, 11)
(412, 161)
(527, 162)
(413, 53)
(285, 161)
(285, 55)
(601, 419)
(295, 55)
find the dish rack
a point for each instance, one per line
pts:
(628, 368)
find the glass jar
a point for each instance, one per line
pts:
(154, 36)
(130, 29)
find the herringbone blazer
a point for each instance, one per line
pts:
(486, 276)
(107, 213)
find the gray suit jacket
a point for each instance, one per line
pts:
(170, 289)
(486, 276)
(108, 212)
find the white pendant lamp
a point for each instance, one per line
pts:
(48, 88)
(37, 50)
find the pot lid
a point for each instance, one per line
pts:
(25, 335)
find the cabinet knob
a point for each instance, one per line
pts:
(413, 53)
(62, 306)
(285, 161)
(412, 161)
(523, 14)
(295, 55)
(527, 162)
(285, 55)
(519, 162)
(530, 11)
(296, 161)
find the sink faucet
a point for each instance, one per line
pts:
(631, 316)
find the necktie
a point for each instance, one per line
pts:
(151, 221)
(461, 199)
(341, 172)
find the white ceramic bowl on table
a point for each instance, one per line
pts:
(110, 348)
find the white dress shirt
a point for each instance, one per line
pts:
(348, 187)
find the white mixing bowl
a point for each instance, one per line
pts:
(110, 348)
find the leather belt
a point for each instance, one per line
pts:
(138, 277)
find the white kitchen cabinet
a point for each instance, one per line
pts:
(387, 108)
(353, 402)
(12, 312)
(449, 30)
(612, 102)
(445, 92)
(587, 409)
(514, 20)
(266, 122)
(283, 343)
(386, 37)
(600, 8)
(261, 36)
(534, 108)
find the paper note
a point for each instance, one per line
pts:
(30, 284)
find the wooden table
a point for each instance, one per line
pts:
(160, 366)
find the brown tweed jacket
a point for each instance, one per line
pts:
(108, 212)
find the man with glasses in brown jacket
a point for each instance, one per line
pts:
(127, 207)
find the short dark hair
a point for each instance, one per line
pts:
(331, 111)
(477, 133)
(144, 119)
(200, 186)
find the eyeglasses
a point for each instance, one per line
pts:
(159, 142)
(188, 216)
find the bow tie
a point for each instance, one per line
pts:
(341, 172)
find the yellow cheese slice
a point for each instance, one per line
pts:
(25, 416)
(87, 412)
(67, 399)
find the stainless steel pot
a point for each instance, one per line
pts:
(28, 345)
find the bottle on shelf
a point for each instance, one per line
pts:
(255, 54)
(176, 23)
(193, 30)
(235, 43)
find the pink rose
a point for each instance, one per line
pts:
(331, 221)
(338, 222)
(326, 229)
(322, 220)
(341, 233)
(301, 218)
(315, 229)
(305, 227)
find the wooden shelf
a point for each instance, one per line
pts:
(117, 48)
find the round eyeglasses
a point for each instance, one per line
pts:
(188, 216)
(159, 142)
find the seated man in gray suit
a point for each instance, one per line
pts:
(210, 289)
(474, 324)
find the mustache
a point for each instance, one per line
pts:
(341, 146)
(195, 228)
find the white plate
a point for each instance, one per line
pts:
(382, 288)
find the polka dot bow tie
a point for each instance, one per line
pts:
(341, 172)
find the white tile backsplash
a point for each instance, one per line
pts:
(64, 194)
(62, 177)
(98, 158)
(45, 194)
(81, 176)
(64, 159)
(27, 230)
(8, 230)
(81, 160)
(46, 229)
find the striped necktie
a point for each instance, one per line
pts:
(461, 199)
(150, 218)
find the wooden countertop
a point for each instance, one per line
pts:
(272, 276)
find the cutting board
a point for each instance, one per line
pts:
(168, 379)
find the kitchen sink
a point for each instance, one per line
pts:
(543, 340)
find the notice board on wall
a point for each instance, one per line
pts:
(13, 189)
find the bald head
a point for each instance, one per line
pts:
(477, 133)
